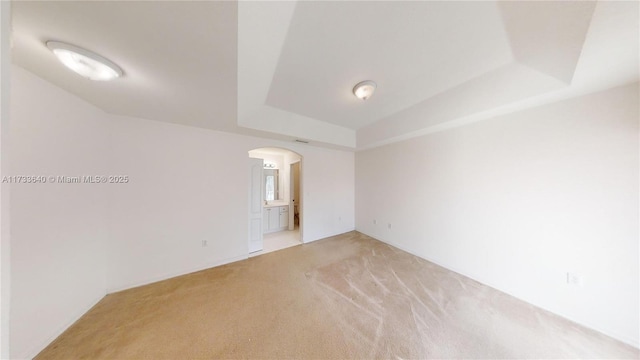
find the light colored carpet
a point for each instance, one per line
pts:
(345, 297)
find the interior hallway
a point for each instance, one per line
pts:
(348, 296)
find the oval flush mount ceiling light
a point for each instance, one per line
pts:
(84, 62)
(364, 89)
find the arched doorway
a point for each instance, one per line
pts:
(275, 200)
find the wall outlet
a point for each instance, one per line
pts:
(574, 279)
(389, 226)
(204, 243)
(374, 221)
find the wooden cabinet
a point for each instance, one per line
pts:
(275, 218)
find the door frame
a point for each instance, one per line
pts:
(291, 192)
(255, 229)
(300, 161)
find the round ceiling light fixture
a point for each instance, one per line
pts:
(84, 62)
(364, 89)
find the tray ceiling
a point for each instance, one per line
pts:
(286, 69)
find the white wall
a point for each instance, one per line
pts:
(518, 201)
(5, 247)
(327, 184)
(58, 231)
(189, 185)
(74, 242)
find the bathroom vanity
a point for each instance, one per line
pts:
(275, 217)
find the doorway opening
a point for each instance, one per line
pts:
(275, 200)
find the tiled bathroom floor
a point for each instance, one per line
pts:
(279, 240)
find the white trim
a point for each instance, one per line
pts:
(111, 290)
(341, 232)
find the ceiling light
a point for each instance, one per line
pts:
(363, 90)
(84, 62)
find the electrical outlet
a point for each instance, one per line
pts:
(574, 279)
(389, 226)
(374, 221)
(204, 243)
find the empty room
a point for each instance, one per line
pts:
(320, 180)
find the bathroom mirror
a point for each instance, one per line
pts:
(271, 185)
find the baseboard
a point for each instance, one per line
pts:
(340, 232)
(36, 350)
(612, 334)
(170, 275)
(177, 273)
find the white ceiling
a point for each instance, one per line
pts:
(179, 58)
(413, 50)
(286, 69)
